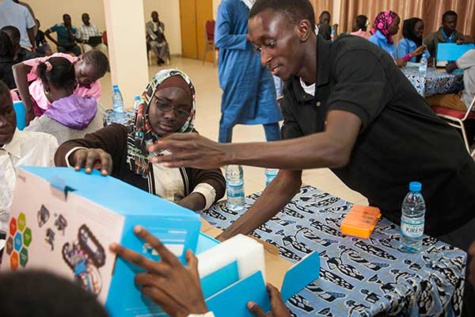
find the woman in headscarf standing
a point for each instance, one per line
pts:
(167, 106)
(385, 26)
(412, 32)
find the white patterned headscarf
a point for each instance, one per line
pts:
(141, 133)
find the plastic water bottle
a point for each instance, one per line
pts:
(118, 105)
(412, 219)
(136, 103)
(235, 187)
(423, 65)
(332, 34)
(271, 173)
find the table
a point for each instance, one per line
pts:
(129, 117)
(358, 277)
(434, 82)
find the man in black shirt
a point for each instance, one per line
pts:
(347, 107)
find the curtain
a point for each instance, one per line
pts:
(323, 5)
(428, 10)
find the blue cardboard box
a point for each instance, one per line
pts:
(64, 221)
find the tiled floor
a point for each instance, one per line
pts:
(208, 96)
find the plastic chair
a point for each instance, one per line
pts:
(20, 111)
(456, 118)
(209, 40)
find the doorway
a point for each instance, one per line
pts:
(193, 15)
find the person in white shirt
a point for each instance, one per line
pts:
(17, 15)
(87, 30)
(18, 148)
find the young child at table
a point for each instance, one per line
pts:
(70, 116)
(385, 26)
(462, 100)
(412, 31)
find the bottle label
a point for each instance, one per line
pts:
(412, 227)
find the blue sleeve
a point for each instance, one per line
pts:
(222, 32)
(54, 28)
(373, 39)
(402, 48)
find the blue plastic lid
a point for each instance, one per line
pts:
(115, 87)
(415, 186)
(137, 97)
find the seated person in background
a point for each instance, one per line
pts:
(156, 39)
(462, 100)
(325, 28)
(178, 291)
(85, 31)
(6, 60)
(43, 294)
(20, 53)
(18, 148)
(385, 26)
(168, 107)
(412, 31)
(70, 116)
(360, 27)
(42, 46)
(66, 34)
(447, 33)
(89, 68)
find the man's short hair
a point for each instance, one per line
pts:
(295, 10)
(449, 13)
(13, 30)
(41, 294)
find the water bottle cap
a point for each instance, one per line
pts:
(137, 97)
(415, 186)
(115, 88)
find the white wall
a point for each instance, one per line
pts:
(169, 13)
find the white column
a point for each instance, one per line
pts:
(127, 48)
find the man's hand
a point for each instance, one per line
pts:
(278, 308)
(191, 150)
(92, 159)
(168, 283)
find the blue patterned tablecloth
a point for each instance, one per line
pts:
(358, 277)
(434, 82)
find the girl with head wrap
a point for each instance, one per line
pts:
(167, 106)
(385, 26)
(412, 32)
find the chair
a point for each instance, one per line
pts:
(209, 40)
(456, 118)
(20, 111)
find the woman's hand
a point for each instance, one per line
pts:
(400, 62)
(176, 288)
(418, 51)
(90, 159)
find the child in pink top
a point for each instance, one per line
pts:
(88, 69)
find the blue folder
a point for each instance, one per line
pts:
(450, 52)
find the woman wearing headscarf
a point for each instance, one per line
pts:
(167, 106)
(412, 32)
(385, 26)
